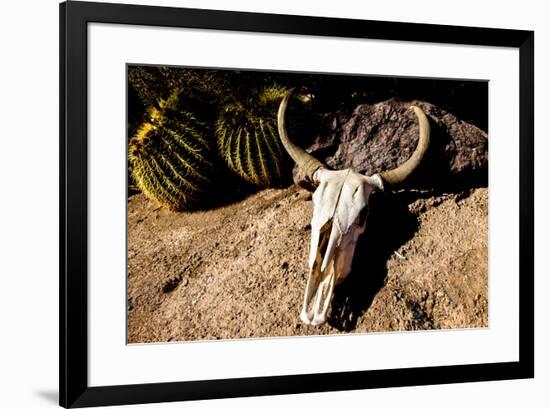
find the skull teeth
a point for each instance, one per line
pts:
(320, 284)
(316, 308)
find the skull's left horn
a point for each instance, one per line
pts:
(307, 163)
(398, 175)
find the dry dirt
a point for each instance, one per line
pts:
(240, 270)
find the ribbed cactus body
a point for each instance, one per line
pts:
(248, 138)
(171, 157)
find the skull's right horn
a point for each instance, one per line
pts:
(307, 163)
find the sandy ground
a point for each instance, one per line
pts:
(240, 270)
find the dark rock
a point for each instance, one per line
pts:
(381, 136)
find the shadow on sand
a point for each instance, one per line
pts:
(390, 224)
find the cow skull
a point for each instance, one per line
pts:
(340, 206)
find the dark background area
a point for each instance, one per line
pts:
(466, 99)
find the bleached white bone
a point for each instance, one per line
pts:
(340, 203)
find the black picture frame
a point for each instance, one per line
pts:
(73, 348)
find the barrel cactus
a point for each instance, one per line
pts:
(248, 139)
(171, 157)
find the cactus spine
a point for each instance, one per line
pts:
(171, 157)
(248, 139)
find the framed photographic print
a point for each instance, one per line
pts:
(256, 204)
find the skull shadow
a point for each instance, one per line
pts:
(389, 226)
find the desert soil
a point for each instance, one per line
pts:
(240, 270)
